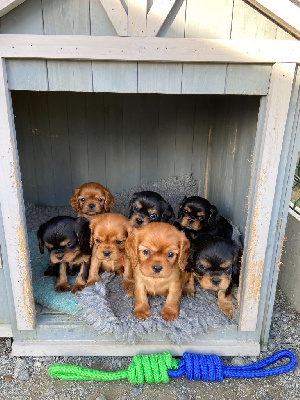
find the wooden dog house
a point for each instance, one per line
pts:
(209, 88)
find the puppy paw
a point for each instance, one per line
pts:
(142, 313)
(168, 314)
(130, 293)
(127, 284)
(64, 287)
(91, 282)
(227, 309)
(77, 287)
(188, 292)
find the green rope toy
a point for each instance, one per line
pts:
(160, 367)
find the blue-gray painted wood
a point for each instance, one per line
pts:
(42, 148)
(95, 128)
(116, 77)
(60, 142)
(79, 159)
(159, 78)
(25, 145)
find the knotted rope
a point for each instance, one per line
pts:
(211, 368)
(161, 367)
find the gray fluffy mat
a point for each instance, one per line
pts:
(106, 308)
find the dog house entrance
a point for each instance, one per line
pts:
(177, 145)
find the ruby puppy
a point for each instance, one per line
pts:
(158, 253)
(109, 233)
(91, 199)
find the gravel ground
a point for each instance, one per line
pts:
(26, 378)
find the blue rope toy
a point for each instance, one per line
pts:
(161, 367)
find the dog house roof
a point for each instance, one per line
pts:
(265, 19)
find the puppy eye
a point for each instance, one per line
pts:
(152, 216)
(135, 208)
(171, 255)
(100, 199)
(119, 241)
(97, 241)
(146, 252)
(82, 199)
(70, 244)
(185, 212)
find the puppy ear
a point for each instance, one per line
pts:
(109, 201)
(92, 230)
(213, 216)
(133, 198)
(131, 247)
(168, 214)
(73, 200)
(40, 235)
(83, 232)
(237, 257)
(184, 253)
(181, 207)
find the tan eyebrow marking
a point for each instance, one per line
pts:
(225, 264)
(64, 242)
(205, 263)
(49, 245)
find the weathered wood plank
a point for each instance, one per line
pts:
(95, 123)
(149, 49)
(202, 20)
(25, 19)
(114, 77)
(157, 15)
(114, 156)
(117, 15)
(166, 138)
(77, 138)
(59, 132)
(24, 135)
(184, 134)
(137, 11)
(174, 24)
(159, 78)
(263, 193)
(13, 218)
(42, 147)
(149, 138)
(66, 75)
(283, 12)
(8, 5)
(100, 23)
(203, 78)
(132, 140)
(248, 23)
(245, 79)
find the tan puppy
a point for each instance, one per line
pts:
(108, 236)
(158, 253)
(91, 199)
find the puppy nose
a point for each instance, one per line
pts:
(215, 281)
(139, 221)
(91, 206)
(157, 268)
(106, 253)
(59, 256)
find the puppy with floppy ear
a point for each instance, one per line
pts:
(158, 253)
(197, 216)
(215, 263)
(109, 233)
(67, 240)
(91, 199)
(148, 206)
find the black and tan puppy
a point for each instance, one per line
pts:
(67, 240)
(148, 206)
(197, 216)
(215, 263)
